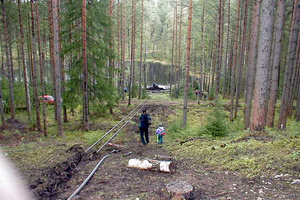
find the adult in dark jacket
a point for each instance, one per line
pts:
(145, 121)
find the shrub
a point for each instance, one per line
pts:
(217, 123)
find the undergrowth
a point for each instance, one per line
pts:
(251, 154)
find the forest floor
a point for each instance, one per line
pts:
(55, 168)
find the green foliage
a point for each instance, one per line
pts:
(102, 94)
(145, 94)
(217, 122)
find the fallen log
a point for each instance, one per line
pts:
(180, 190)
(157, 165)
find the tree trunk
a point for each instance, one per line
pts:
(141, 52)
(111, 45)
(25, 71)
(1, 96)
(119, 51)
(41, 63)
(123, 46)
(132, 55)
(34, 70)
(85, 69)
(179, 49)
(226, 52)
(263, 61)
(251, 63)
(236, 38)
(219, 52)
(176, 51)
(173, 45)
(287, 84)
(133, 46)
(241, 62)
(187, 68)
(276, 62)
(203, 54)
(57, 64)
(50, 19)
(297, 112)
(8, 58)
(62, 68)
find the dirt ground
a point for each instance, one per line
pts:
(115, 180)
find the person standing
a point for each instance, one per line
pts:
(145, 121)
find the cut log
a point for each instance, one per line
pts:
(157, 165)
(115, 145)
(180, 190)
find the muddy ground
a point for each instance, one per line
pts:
(114, 180)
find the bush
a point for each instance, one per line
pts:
(217, 123)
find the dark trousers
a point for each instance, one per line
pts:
(144, 131)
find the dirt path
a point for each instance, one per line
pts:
(114, 180)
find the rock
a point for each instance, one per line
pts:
(297, 181)
(259, 198)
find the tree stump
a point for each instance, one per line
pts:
(180, 190)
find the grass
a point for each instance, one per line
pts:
(250, 154)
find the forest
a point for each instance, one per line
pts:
(229, 72)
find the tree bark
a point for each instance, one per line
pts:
(57, 64)
(8, 58)
(187, 68)
(85, 69)
(297, 112)
(176, 51)
(132, 56)
(179, 50)
(252, 64)
(276, 62)
(25, 71)
(173, 45)
(41, 63)
(123, 46)
(50, 19)
(226, 52)
(203, 54)
(287, 84)
(141, 51)
(220, 49)
(34, 69)
(1, 94)
(241, 61)
(263, 61)
(232, 85)
(119, 50)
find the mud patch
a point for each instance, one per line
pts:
(53, 179)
